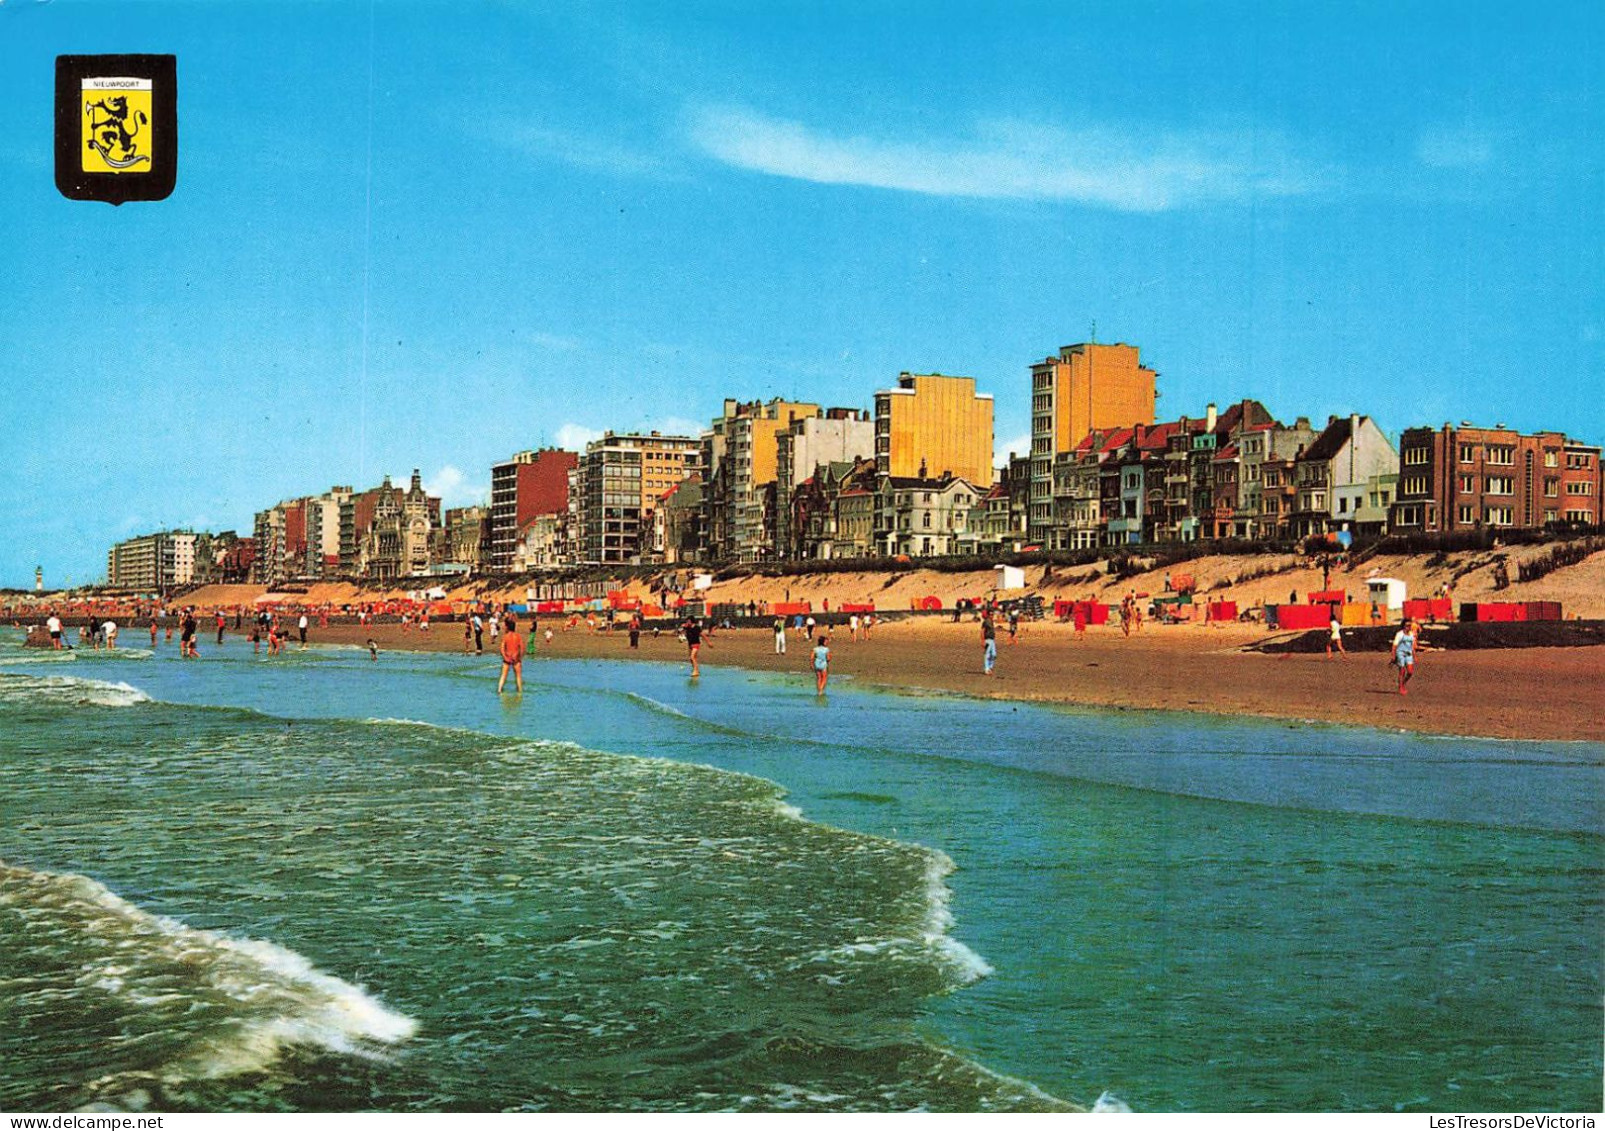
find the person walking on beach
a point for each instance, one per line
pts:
(512, 656)
(1078, 614)
(780, 636)
(153, 630)
(301, 625)
(186, 634)
(693, 642)
(221, 622)
(479, 633)
(1014, 625)
(989, 643)
(821, 666)
(109, 630)
(1334, 637)
(635, 630)
(1404, 653)
(53, 625)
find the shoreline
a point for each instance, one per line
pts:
(1545, 694)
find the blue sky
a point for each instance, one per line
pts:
(429, 235)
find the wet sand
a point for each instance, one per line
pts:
(1537, 693)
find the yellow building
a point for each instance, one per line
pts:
(741, 449)
(1087, 386)
(931, 424)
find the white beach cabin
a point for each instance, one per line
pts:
(1009, 577)
(1387, 593)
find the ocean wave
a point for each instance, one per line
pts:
(67, 690)
(258, 998)
(37, 656)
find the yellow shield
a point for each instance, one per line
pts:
(118, 131)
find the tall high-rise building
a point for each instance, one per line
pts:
(522, 488)
(839, 435)
(618, 484)
(931, 425)
(1086, 386)
(745, 442)
(153, 562)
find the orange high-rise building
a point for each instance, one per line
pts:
(1087, 386)
(931, 424)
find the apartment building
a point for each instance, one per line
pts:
(531, 483)
(465, 536)
(836, 436)
(1464, 478)
(1262, 444)
(1335, 471)
(1087, 386)
(919, 516)
(153, 563)
(939, 422)
(1579, 487)
(618, 484)
(742, 450)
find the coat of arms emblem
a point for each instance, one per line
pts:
(116, 126)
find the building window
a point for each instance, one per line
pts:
(1498, 516)
(1468, 484)
(1582, 488)
(1501, 454)
(1501, 485)
(1416, 456)
(1466, 515)
(1468, 453)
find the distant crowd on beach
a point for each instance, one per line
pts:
(499, 625)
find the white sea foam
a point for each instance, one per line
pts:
(272, 997)
(69, 690)
(1108, 1103)
(966, 963)
(663, 708)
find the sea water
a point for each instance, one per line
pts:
(322, 882)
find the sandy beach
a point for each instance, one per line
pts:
(1537, 693)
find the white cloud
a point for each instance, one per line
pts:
(1458, 147)
(1020, 445)
(454, 489)
(574, 437)
(1012, 160)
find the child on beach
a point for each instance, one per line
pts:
(1335, 638)
(821, 666)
